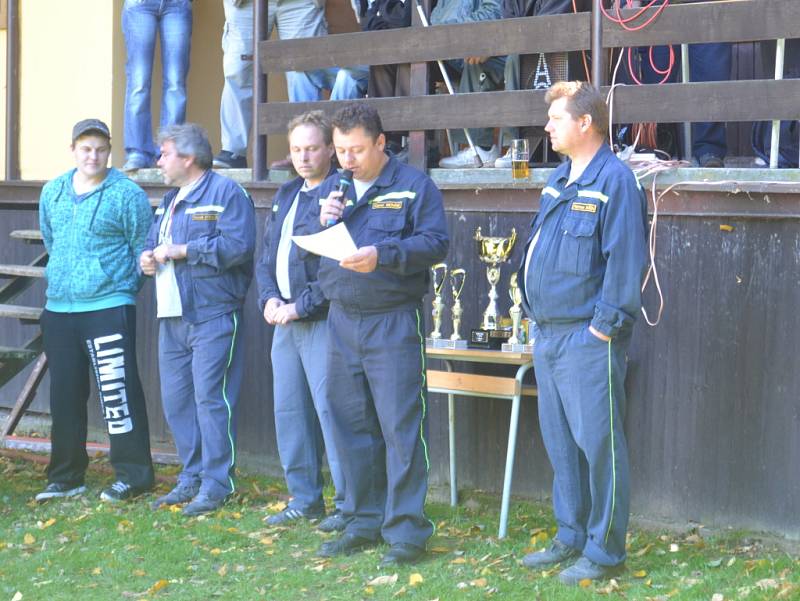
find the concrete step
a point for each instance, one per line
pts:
(20, 312)
(28, 271)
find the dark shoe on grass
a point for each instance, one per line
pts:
(284, 517)
(346, 544)
(202, 504)
(182, 493)
(335, 522)
(59, 490)
(401, 554)
(557, 553)
(586, 569)
(119, 491)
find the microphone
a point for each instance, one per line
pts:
(345, 181)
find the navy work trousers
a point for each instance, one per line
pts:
(581, 415)
(376, 366)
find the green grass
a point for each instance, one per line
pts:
(84, 549)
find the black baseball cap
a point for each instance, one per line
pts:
(90, 126)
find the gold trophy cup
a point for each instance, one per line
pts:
(493, 251)
(439, 277)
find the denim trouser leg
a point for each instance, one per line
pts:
(302, 414)
(486, 77)
(141, 20)
(175, 29)
(350, 82)
(300, 19)
(709, 62)
(236, 106)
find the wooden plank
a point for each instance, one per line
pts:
(27, 235)
(709, 22)
(712, 101)
(25, 397)
(471, 383)
(478, 356)
(20, 312)
(28, 271)
(557, 33)
(8, 353)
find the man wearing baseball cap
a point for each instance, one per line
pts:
(94, 221)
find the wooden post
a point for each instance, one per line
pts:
(417, 146)
(12, 91)
(260, 171)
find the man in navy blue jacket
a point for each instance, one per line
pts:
(376, 354)
(292, 301)
(200, 250)
(582, 271)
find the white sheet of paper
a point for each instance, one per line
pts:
(333, 242)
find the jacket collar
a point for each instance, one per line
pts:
(593, 169)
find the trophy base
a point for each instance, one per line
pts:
(488, 339)
(517, 348)
(454, 344)
(436, 343)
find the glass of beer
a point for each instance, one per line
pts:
(520, 155)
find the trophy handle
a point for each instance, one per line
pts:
(457, 283)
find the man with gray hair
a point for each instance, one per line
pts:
(200, 250)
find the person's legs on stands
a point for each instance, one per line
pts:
(139, 26)
(709, 62)
(175, 29)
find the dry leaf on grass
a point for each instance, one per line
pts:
(383, 580)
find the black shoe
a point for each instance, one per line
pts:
(202, 504)
(400, 554)
(182, 493)
(335, 522)
(710, 161)
(557, 553)
(346, 544)
(586, 569)
(57, 490)
(290, 515)
(119, 491)
(228, 160)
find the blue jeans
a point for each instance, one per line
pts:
(302, 413)
(141, 21)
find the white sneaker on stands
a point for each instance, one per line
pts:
(466, 158)
(504, 162)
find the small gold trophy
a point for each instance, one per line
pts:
(457, 278)
(493, 251)
(515, 293)
(439, 276)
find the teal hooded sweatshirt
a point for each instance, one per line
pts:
(94, 243)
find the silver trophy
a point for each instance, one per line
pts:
(457, 279)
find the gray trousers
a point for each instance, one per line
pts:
(201, 369)
(302, 413)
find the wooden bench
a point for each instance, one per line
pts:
(454, 383)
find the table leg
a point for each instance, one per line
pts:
(510, 452)
(451, 432)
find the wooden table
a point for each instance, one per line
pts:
(454, 383)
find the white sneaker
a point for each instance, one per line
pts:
(504, 162)
(466, 158)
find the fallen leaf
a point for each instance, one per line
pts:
(674, 548)
(725, 227)
(459, 560)
(215, 551)
(28, 539)
(479, 582)
(400, 592)
(223, 570)
(276, 506)
(643, 550)
(586, 582)
(714, 563)
(46, 524)
(267, 540)
(717, 597)
(640, 574)
(97, 571)
(415, 579)
(731, 561)
(767, 583)
(17, 596)
(157, 586)
(383, 580)
(139, 573)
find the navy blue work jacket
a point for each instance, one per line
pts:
(589, 261)
(306, 293)
(402, 215)
(216, 221)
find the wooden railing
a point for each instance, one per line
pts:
(728, 21)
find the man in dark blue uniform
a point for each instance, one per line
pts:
(376, 354)
(582, 271)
